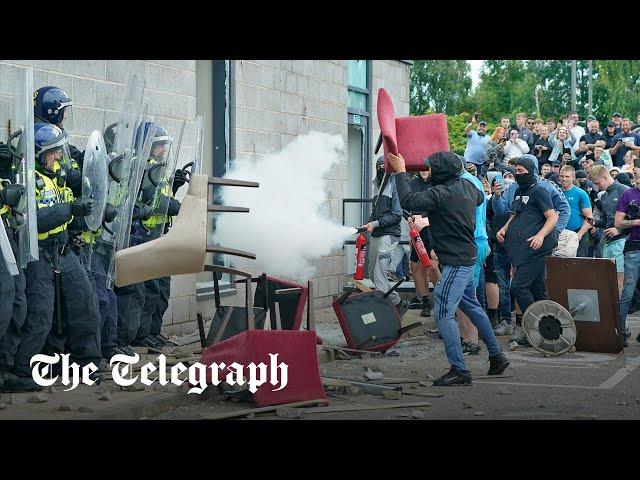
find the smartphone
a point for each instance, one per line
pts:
(636, 162)
(494, 177)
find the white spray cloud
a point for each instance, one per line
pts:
(285, 227)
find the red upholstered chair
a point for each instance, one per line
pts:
(415, 138)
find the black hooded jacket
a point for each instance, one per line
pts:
(451, 204)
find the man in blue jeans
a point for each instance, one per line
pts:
(451, 204)
(628, 217)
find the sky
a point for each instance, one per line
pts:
(476, 65)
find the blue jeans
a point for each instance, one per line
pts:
(502, 266)
(456, 289)
(631, 273)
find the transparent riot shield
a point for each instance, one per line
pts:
(95, 183)
(161, 176)
(28, 234)
(142, 151)
(197, 160)
(121, 155)
(6, 253)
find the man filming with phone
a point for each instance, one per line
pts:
(477, 140)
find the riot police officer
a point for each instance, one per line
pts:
(13, 302)
(51, 105)
(159, 194)
(57, 280)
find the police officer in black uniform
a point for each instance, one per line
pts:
(60, 307)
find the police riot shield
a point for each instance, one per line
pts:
(197, 160)
(28, 233)
(95, 183)
(142, 151)
(6, 253)
(121, 154)
(161, 177)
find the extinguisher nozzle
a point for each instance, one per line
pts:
(361, 230)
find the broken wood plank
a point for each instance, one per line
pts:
(357, 408)
(273, 408)
(422, 394)
(334, 382)
(360, 286)
(350, 350)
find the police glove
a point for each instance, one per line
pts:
(82, 207)
(179, 179)
(5, 153)
(11, 195)
(142, 211)
(110, 213)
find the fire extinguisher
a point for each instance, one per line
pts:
(361, 254)
(418, 245)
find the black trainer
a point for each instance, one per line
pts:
(498, 364)
(149, 341)
(416, 303)
(470, 348)
(453, 377)
(426, 311)
(14, 383)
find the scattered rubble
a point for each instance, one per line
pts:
(3, 406)
(418, 414)
(392, 394)
(85, 410)
(64, 408)
(371, 374)
(38, 398)
(479, 413)
(105, 396)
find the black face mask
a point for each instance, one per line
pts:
(379, 174)
(525, 179)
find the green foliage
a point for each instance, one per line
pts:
(509, 86)
(439, 85)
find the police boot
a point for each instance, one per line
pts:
(15, 384)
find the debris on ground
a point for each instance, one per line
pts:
(418, 414)
(466, 405)
(105, 396)
(479, 413)
(371, 374)
(85, 410)
(38, 398)
(392, 394)
(3, 406)
(64, 408)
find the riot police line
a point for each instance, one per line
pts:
(65, 213)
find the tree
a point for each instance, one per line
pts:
(441, 86)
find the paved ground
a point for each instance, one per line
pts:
(579, 385)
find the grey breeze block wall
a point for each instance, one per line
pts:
(277, 100)
(96, 86)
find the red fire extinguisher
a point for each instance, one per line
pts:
(361, 254)
(418, 245)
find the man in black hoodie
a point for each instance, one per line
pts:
(451, 204)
